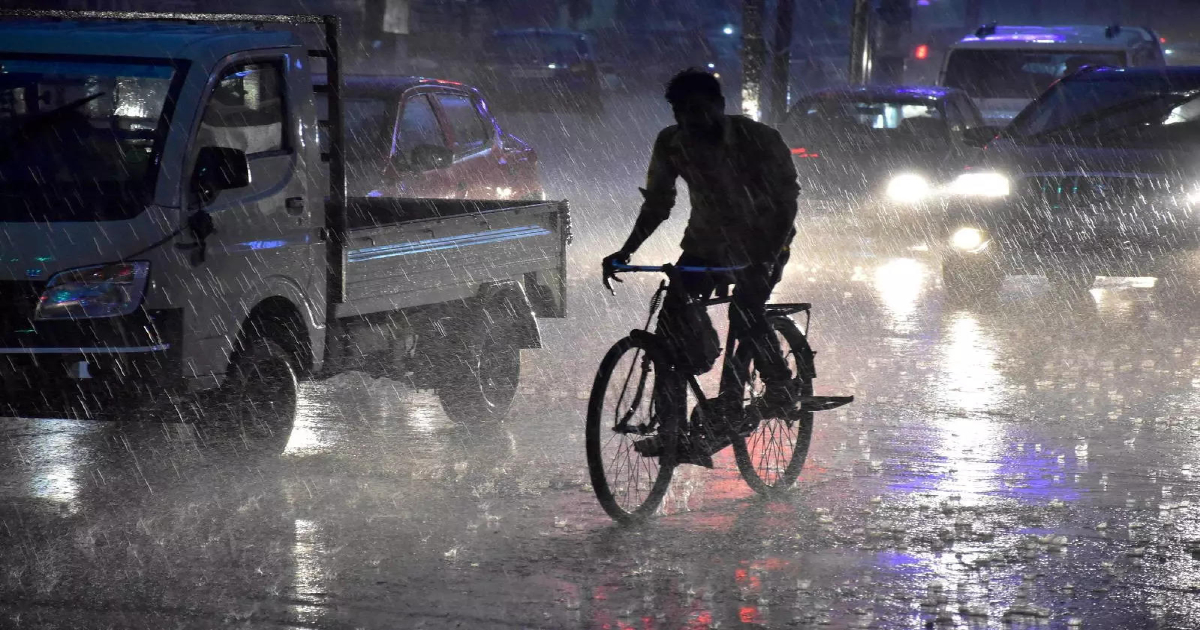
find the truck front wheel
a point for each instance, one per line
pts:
(257, 402)
(480, 380)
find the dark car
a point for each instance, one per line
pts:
(883, 148)
(540, 68)
(416, 137)
(1098, 176)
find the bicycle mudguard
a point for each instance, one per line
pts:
(823, 403)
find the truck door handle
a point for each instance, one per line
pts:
(294, 206)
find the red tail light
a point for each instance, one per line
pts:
(802, 152)
(922, 52)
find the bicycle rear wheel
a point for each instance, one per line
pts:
(770, 458)
(627, 406)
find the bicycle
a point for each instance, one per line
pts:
(769, 450)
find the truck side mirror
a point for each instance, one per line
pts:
(978, 137)
(219, 168)
(430, 156)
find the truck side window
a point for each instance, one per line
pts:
(246, 110)
(967, 112)
(418, 126)
(471, 132)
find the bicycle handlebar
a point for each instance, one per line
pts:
(611, 271)
(667, 268)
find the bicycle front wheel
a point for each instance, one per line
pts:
(770, 458)
(628, 406)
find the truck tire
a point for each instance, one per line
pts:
(257, 402)
(479, 380)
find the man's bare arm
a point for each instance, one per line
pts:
(658, 195)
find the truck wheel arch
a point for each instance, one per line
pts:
(498, 299)
(280, 320)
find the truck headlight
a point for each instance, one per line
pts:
(968, 240)
(981, 185)
(91, 292)
(908, 188)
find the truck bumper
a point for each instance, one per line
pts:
(91, 364)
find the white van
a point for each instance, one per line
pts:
(1003, 68)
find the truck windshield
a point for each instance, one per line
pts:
(1118, 113)
(1017, 73)
(79, 128)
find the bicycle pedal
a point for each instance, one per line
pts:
(694, 451)
(648, 447)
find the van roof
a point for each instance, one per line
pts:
(149, 39)
(1075, 37)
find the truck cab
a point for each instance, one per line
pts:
(171, 225)
(1003, 68)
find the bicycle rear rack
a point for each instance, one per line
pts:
(788, 308)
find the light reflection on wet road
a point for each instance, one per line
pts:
(1027, 463)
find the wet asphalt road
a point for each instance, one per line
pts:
(1031, 463)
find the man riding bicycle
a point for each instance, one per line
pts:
(743, 191)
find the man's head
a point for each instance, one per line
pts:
(696, 99)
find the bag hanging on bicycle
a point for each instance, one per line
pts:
(691, 337)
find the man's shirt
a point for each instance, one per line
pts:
(743, 190)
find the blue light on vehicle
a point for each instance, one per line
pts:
(728, 30)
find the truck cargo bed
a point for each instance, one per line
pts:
(411, 252)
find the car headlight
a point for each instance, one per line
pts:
(968, 240)
(981, 185)
(908, 188)
(91, 292)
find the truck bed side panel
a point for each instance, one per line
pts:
(405, 253)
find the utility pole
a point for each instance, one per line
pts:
(754, 57)
(860, 43)
(973, 15)
(781, 61)
(896, 18)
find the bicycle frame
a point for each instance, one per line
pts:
(729, 370)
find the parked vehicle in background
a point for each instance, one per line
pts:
(1096, 177)
(416, 137)
(1003, 68)
(880, 152)
(540, 68)
(171, 226)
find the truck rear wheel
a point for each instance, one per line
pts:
(257, 402)
(480, 380)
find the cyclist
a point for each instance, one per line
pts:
(743, 191)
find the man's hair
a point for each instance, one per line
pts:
(693, 82)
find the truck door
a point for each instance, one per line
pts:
(264, 231)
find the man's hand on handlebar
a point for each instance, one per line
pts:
(610, 273)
